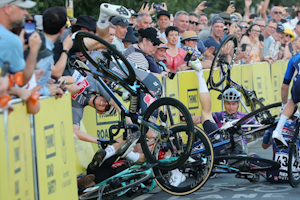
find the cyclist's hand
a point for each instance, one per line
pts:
(35, 42)
(67, 43)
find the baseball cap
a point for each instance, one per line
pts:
(133, 13)
(163, 12)
(151, 34)
(20, 3)
(217, 20)
(163, 44)
(87, 22)
(120, 21)
(280, 28)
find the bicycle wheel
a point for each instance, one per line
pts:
(223, 61)
(117, 185)
(294, 161)
(110, 59)
(179, 145)
(196, 173)
(266, 116)
(256, 104)
(247, 164)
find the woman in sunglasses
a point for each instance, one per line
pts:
(292, 48)
(251, 37)
(285, 40)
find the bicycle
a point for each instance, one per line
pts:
(223, 61)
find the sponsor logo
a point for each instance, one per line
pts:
(82, 85)
(148, 99)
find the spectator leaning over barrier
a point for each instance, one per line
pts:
(121, 25)
(12, 15)
(193, 21)
(252, 37)
(273, 45)
(215, 38)
(54, 20)
(292, 48)
(270, 28)
(160, 55)
(163, 21)
(181, 21)
(284, 41)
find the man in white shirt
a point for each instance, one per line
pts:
(121, 25)
(163, 21)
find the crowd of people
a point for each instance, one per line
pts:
(41, 56)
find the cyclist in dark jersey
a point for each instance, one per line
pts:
(288, 107)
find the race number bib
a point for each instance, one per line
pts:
(283, 159)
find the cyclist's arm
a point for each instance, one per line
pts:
(267, 139)
(92, 44)
(83, 136)
(286, 81)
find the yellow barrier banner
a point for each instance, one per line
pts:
(216, 105)
(262, 82)
(277, 78)
(55, 150)
(4, 184)
(236, 75)
(20, 165)
(188, 91)
(284, 65)
(84, 151)
(246, 80)
(172, 91)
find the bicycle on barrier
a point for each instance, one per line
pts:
(220, 71)
(114, 67)
(243, 166)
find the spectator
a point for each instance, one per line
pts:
(193, 22)
(141, 53)
(270, 28)
(129, 38)
(112, 32)
(276, 13)
(199, 28)
(260, 22)
(215, 38)
(13, 52)
(247, 59)
(285, 40)
(133, 18)
(297, 28)
(175, 56)
(272, 45)
(292, 48)
(206, 31)
(203, 19)
(160, 55)
(144, 21)
(163, 21)
(239, 32)
(244, 26)
(251, 37)
(181, 21)
(121, 25)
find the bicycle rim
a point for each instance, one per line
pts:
(294, 161)
(266, 116)
(106, 63)
(223, 61)
(179, 153)
(128, 182)
(196, 173)
(247, 164)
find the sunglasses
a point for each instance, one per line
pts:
(258, 31)
(226, 23)
(244, 26)
(122, 20)
(288, 35)
(192, 22)
(276, 13)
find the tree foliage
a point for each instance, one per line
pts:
(91, 7)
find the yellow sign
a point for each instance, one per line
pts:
(277, 79)
(247, 80)
(20, 165)
(4, 184)
(236, 75)
(55, 149)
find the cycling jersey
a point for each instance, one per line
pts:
(294, 64)
(280, 155)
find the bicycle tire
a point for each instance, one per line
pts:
(294, 180)
(271, 164)
(107, 192)
(131, 77)
(167, 101)
(215, 83)
(197, 181)
(265, 116)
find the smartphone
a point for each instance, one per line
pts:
(209, 4)
(29, 28)
(62, 85)
(289, 10)
(188, 56)
(232, 2)
(244, 47)
(145, 3)
(157, 6)
(261, 37)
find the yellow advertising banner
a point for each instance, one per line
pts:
(172, 91)
(236, 75)
(4, 184)
(189, 92)
(277, 78)
(56, 162)
(246, 71)
(20, 165)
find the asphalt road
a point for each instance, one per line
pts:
(226, 186)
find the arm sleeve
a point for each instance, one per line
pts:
(289, 72)
(77, 115)
(267, 137)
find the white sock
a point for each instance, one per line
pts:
(132, 156)
(281, 123)
(110, 151)
(103, 20)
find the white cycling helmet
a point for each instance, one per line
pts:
(231, 95)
